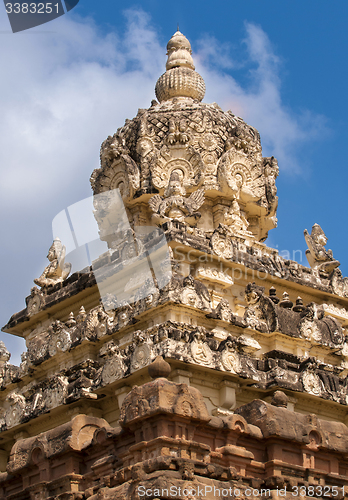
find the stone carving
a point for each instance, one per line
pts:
(260, 313)
(174, 205)
(309, 322)
(16, 412)
(177, 132)
(320, 259)
(189, 295)
(248, 344)
(314, 326)
(24, 367)
(229, 358)
(339, 284)
(184, 343)
(60, 339)
(120, 170)
(141, 357)
(223, 311)
(201, 352)
(184, 160)
(211, 148)
(311, 383)
(244, 139)
(114, 369)
(309, 330)
(4, 354)
(142, 354)
(338, 312)
(34, 301)
(221, 244)
(186, 291)
(235, 221)
(57, 271)
(97, 323)
(123, 316)
(166, 434)
(57, 393)
(237, 175)
(81, 316)
(271, 171)
(214, 274)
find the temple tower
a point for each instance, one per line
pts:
(189, 358)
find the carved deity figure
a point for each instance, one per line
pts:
(235, 220)
(57, 271)
(271, 171)
(259, 313)
(174, 205)
(320, 259)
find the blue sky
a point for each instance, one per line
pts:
(67, 85)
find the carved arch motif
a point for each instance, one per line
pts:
(123, 174)
(233, 170)
(185, 160)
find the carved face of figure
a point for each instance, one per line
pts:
(239, 180)
(52, 254)
(175, 186)
(321, 239)
(144, 146)
(271, 171)
(251, 297)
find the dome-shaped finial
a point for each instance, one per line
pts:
(179, 52)
(180, 79)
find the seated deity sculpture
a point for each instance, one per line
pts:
(56, 271)
(235, 220)
(174, 205)
(320, 259)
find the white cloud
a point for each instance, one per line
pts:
(62, 93)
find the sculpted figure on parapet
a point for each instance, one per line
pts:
(235, 220)
(320, 259)
(57, 271)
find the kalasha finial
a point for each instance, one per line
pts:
(179, 52)
(159, 368)
(180, 79)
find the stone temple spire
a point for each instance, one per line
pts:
(180, 79)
